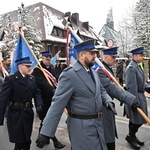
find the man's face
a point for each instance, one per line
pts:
(25, 69)
(88, 58)
(110, 59)
(7, 62)
(138, 57)
(46, 60)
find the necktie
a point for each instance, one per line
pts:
(91, 75)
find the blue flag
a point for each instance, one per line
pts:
(95, 66)
(22, 50)
(56, 57)
(72, 51)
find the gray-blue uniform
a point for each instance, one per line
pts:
(135, 84)
(115, 92)
(80, 95)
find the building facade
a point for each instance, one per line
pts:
(49, 22)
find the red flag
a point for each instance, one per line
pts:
(51, 77)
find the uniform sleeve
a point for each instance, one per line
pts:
(115, 91)
(105, 97)
(147, 88)
(37, 95)
(5, 96)
(60, 100)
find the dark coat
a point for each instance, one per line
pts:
(47, 90)
(119, 70)
(58, 70)
(19, 118)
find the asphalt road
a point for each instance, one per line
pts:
(121, 144)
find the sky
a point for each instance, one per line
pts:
(93, 11)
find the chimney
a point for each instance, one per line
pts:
(75, 18)
(86, 25)
(67, 14)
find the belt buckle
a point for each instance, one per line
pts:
(99, 114)
(27, 104)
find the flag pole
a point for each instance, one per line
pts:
(2, 67)
(147, 119)
(40, 67)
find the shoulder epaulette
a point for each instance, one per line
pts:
(68, 68)
(130, 66)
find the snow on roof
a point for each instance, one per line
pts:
(36, 9)
(85, 33)
(51, 20)
(55, 39)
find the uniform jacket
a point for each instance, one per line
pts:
(115, 92)
(19, 118)
(77, 91)
(135, 84)
(47, 90)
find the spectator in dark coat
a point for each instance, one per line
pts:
(58, 69)
(18, 89)
(47, 90)
(119, 71)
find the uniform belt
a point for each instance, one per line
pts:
(25, 104)
(85, 116)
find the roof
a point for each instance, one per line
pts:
(46, 18)
(109, 33)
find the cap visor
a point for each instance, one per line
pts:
(26, 64)
(93, 50)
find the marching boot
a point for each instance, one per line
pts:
(133, 142)
(57, 144)
(139, 142)
(131, 138)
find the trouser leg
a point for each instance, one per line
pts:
(40, 126)
(111, 146)
(133, 129)
(18, 146)
(26, 145)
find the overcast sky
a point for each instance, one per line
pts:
(94, 11)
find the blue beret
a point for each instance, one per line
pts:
(24, 60)
(46, 54)
(139, 50)
(88, 45)
(110, 51)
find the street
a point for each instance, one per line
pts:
(122, 127)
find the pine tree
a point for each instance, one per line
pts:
(135, 28)
(28, 27)
(10, 37)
